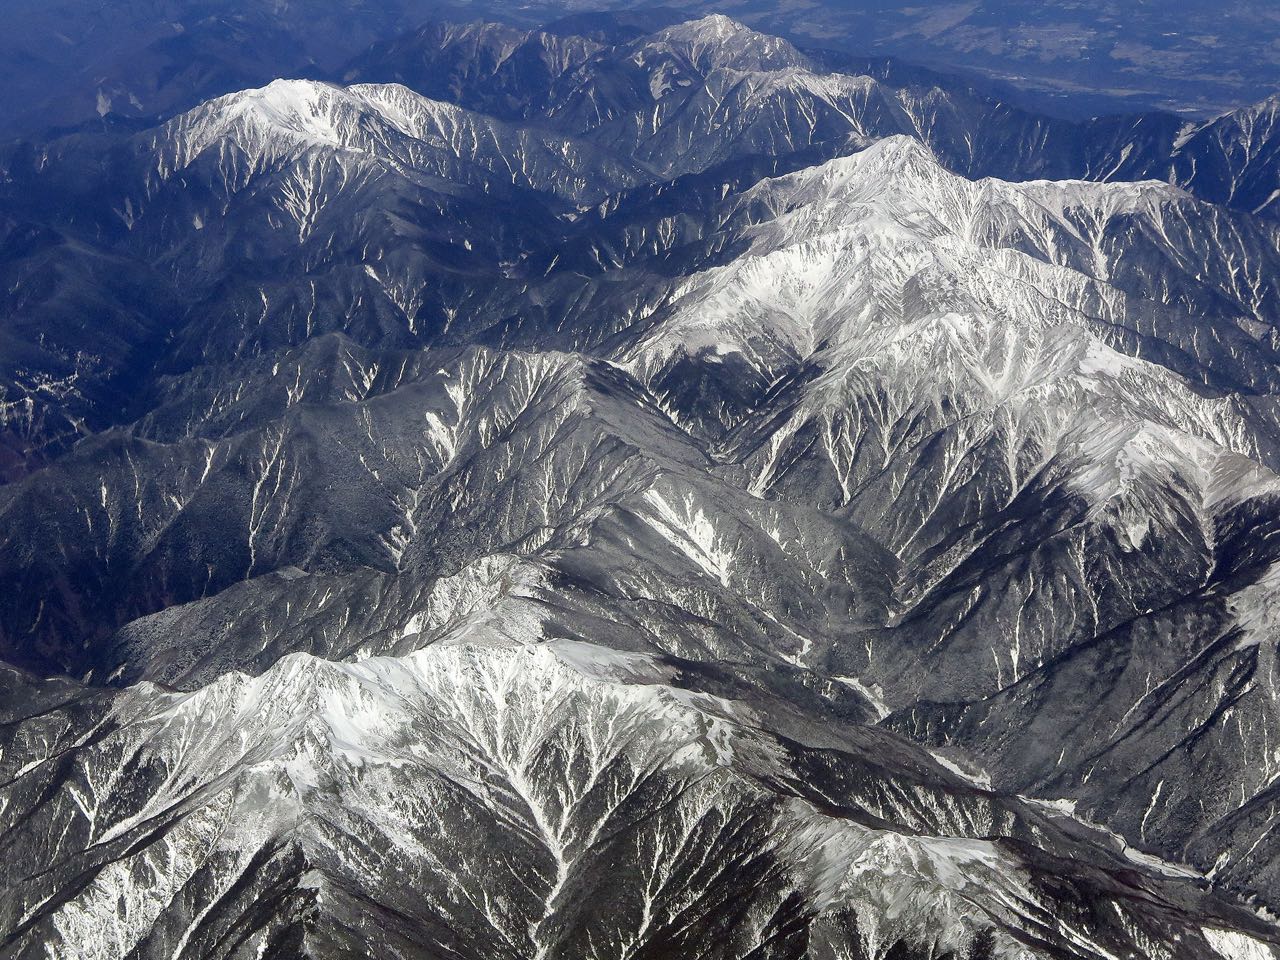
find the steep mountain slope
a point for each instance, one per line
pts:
(689, 520)
(1232, 159)
(263, 218)
(329, 793)
(975, 410)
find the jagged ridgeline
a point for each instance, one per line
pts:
(640, 495)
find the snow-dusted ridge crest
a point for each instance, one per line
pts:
(385, 124)
(311, 112)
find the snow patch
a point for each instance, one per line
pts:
(1231, 945)
(872, 694)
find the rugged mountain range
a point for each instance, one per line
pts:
(814, 97)
(1086, 57)
(67, 62)
(640, 494)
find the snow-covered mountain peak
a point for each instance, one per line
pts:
(719, 42)
(715, 29)
(307, 109)
(905, 170)
(880, 166)
(314, 114)
(984, 293)
(383, 127)
(286, 117)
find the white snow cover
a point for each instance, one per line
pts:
(1233, 945)
(883, 267)
(309, 128)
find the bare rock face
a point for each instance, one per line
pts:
(659, 505)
